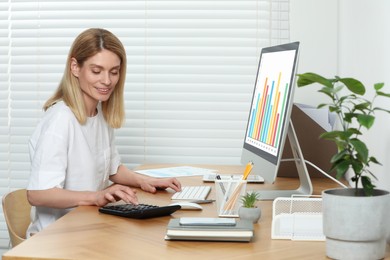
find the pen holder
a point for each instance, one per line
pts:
(228, 194)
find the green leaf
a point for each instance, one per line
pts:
(363, 106)
(333, 108)
(342, 99)
(332, 135)
(327, 91)
(367, 185)
(380, 93)
(341, 168)
(345, 135)
(374, 160)
(378, 86)
(353, 131)
(338, 156)
(348, 117)
(310, 78)
(354, 85)
(357, 166)
(365, 120)
(361, 149)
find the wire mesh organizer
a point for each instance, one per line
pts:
(297, 218)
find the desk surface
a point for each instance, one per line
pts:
(85, 233)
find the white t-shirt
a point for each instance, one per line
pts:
(68, 155)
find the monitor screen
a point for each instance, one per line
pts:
(270, 110)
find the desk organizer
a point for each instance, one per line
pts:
(229, 193)
(297, 218)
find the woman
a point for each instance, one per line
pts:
(72, 150)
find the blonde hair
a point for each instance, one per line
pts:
(86, 45)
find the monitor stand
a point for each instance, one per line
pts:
(305, 187)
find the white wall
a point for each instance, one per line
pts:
(315, 24)
(364, 40)
(347, 38)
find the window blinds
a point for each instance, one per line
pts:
(191, 70)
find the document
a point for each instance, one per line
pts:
(321, 116)
(180, 171)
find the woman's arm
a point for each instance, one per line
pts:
(127, 177)
(123, 179)
(61, 198)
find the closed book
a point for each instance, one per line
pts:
(242, 231)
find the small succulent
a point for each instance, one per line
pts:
(249, 199)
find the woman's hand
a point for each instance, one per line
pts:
(115, 193)
(153, 184)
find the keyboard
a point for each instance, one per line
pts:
(225, 177)
(140, 211)
(192, 193)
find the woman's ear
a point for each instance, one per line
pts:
(74, 67)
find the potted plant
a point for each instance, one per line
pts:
(354, 219)
(249, 210)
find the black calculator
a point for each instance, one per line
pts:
(140, 211)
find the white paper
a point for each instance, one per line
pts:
(180, 171)
(321, 116)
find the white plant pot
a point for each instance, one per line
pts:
(252, 214)
(356, 227)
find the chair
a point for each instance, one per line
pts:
(16, 210)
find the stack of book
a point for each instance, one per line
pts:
(240, 230)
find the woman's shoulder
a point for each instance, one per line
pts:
(59, 109)
(60, 114)
(57, 120)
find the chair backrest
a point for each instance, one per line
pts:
(17, 215)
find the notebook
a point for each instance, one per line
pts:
(242, 231)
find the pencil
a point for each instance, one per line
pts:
(248, 170)
(233, 198)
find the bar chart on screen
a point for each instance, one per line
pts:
(265, 125)
(267, 115)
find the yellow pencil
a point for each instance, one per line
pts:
(236, 192)
(248, 170)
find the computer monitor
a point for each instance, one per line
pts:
(269, 120)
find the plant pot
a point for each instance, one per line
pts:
(355, 227)
(252, 214)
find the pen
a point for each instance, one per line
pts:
(221, 184)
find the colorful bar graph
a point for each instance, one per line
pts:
(268, 111)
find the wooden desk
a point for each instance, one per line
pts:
(85, 233)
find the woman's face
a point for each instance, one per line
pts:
(97, 77)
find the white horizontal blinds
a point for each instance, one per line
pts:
(280, 26)
(4, 91)
(191, 70)
(197, 55)
(200, 64)
(23, 86)
(4, 128)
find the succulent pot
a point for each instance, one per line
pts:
(252, 214)
(355, 226)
